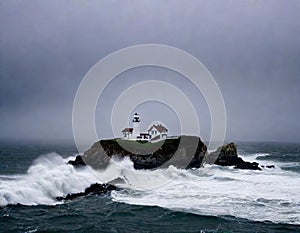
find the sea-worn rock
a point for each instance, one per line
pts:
(227, 156)
(182, 152)
(94, 189)
(78, 162)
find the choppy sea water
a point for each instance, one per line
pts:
(210, 199)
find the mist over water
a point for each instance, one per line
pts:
(250, 47)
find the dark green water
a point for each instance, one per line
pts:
(103, 214)
(100, 214)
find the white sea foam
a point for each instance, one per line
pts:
(272, 194)
(278, 164)
(48, 177)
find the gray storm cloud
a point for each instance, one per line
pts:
(252, 49)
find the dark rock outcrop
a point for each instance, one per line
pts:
(94, 189)
(227, 156)
(78, 162)
(181, 152)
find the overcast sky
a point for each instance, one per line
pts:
(252, 48)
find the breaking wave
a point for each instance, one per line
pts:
(271, 194)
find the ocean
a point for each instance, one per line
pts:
(209, 199)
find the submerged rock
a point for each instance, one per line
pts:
(94, 189)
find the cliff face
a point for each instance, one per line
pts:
(183, 152)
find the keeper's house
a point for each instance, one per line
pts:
(156, 132)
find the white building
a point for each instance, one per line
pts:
(127, 133)
(156, 132)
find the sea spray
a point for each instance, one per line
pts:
(213, 190)
(49, 176)
(270, 194)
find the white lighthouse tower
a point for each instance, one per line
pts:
(136, 125)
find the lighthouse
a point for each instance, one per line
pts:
(155, 133)
(136, 125)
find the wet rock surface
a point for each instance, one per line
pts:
(94, 189)
(182, 152)
(227, 156)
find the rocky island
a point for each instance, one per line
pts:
(182, 152)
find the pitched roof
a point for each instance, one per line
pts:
(127, 130)
(160, 128)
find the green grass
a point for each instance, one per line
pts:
(138, 146)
